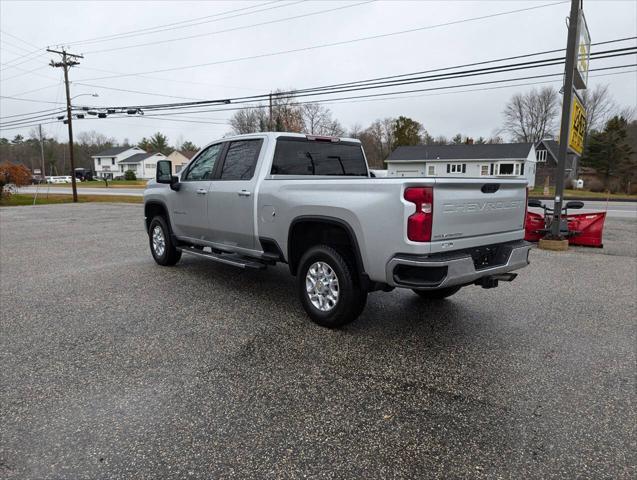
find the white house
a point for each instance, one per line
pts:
(143, 165)
(106, 163)
(114, 162)
(503, 160)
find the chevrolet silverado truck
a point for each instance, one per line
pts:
(311, 202)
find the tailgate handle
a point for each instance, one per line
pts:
(490, 187)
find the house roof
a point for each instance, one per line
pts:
(188, 153)
(552, 146)
(461, 152)
(111, 152)
(138, 157)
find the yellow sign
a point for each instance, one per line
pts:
(577, 128)
(583, 52)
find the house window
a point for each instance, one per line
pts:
(522, 168)
(121, 168)
(456, 168)
(505, 169)
(99, 161)
(492, 169)
(113, 161)
(541, 156)
(517, 168)
(431, 170)
(484, 170)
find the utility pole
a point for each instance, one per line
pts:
(42, 152)
(270, 117)
(68, 60)
(571, 55)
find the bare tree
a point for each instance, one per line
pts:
(600, 107)
(355, 131)
(315, 118)
(532, 116)
(248, 120)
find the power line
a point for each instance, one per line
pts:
(484, 62)
(26, 58)
(325, 45)
(18, 38)
(325, 101)
(322, 90)
(174, 80)
(6, 42)
(159, 28)
(26, 72)
(29, 113)
(31, 118)
(133, 91)
(28, 100)
(489, 82)
(233, 29)
(35, 90)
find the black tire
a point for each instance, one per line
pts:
(351, 297)
(169, 255)
(437, 294)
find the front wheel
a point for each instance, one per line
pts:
(161, 244)
(437, 294)
(327, 288)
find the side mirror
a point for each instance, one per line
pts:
(575, 204)
(534, 202)
(164, 173)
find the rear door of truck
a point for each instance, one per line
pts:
(468, 208)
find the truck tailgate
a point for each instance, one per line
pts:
(473, 207)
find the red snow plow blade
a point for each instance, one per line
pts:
(583, 228)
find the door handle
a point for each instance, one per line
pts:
(201, 191)
(244, 193)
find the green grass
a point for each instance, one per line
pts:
(100, 184)
(539, 192)
(27, 199)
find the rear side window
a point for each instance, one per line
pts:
(300, 156)
(241, 159)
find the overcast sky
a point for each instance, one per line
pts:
(478, 113)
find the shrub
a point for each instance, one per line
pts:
(130, 175)
(13, 173)
(594, 185)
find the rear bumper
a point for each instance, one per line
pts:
(456, 268)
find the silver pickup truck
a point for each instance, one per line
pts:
(311, 202)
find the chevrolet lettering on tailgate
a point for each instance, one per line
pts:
(477, 207)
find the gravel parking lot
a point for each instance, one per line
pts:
(114, 367)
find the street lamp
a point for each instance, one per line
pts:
(85, 94)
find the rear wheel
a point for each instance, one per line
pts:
(327, 289)
(437, 294)
(161, 244)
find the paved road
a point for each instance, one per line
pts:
(113, 367)
(138, 192)
(614, 209)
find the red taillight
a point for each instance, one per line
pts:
(419, 223)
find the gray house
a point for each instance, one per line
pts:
(547, 152)
(503, 160)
